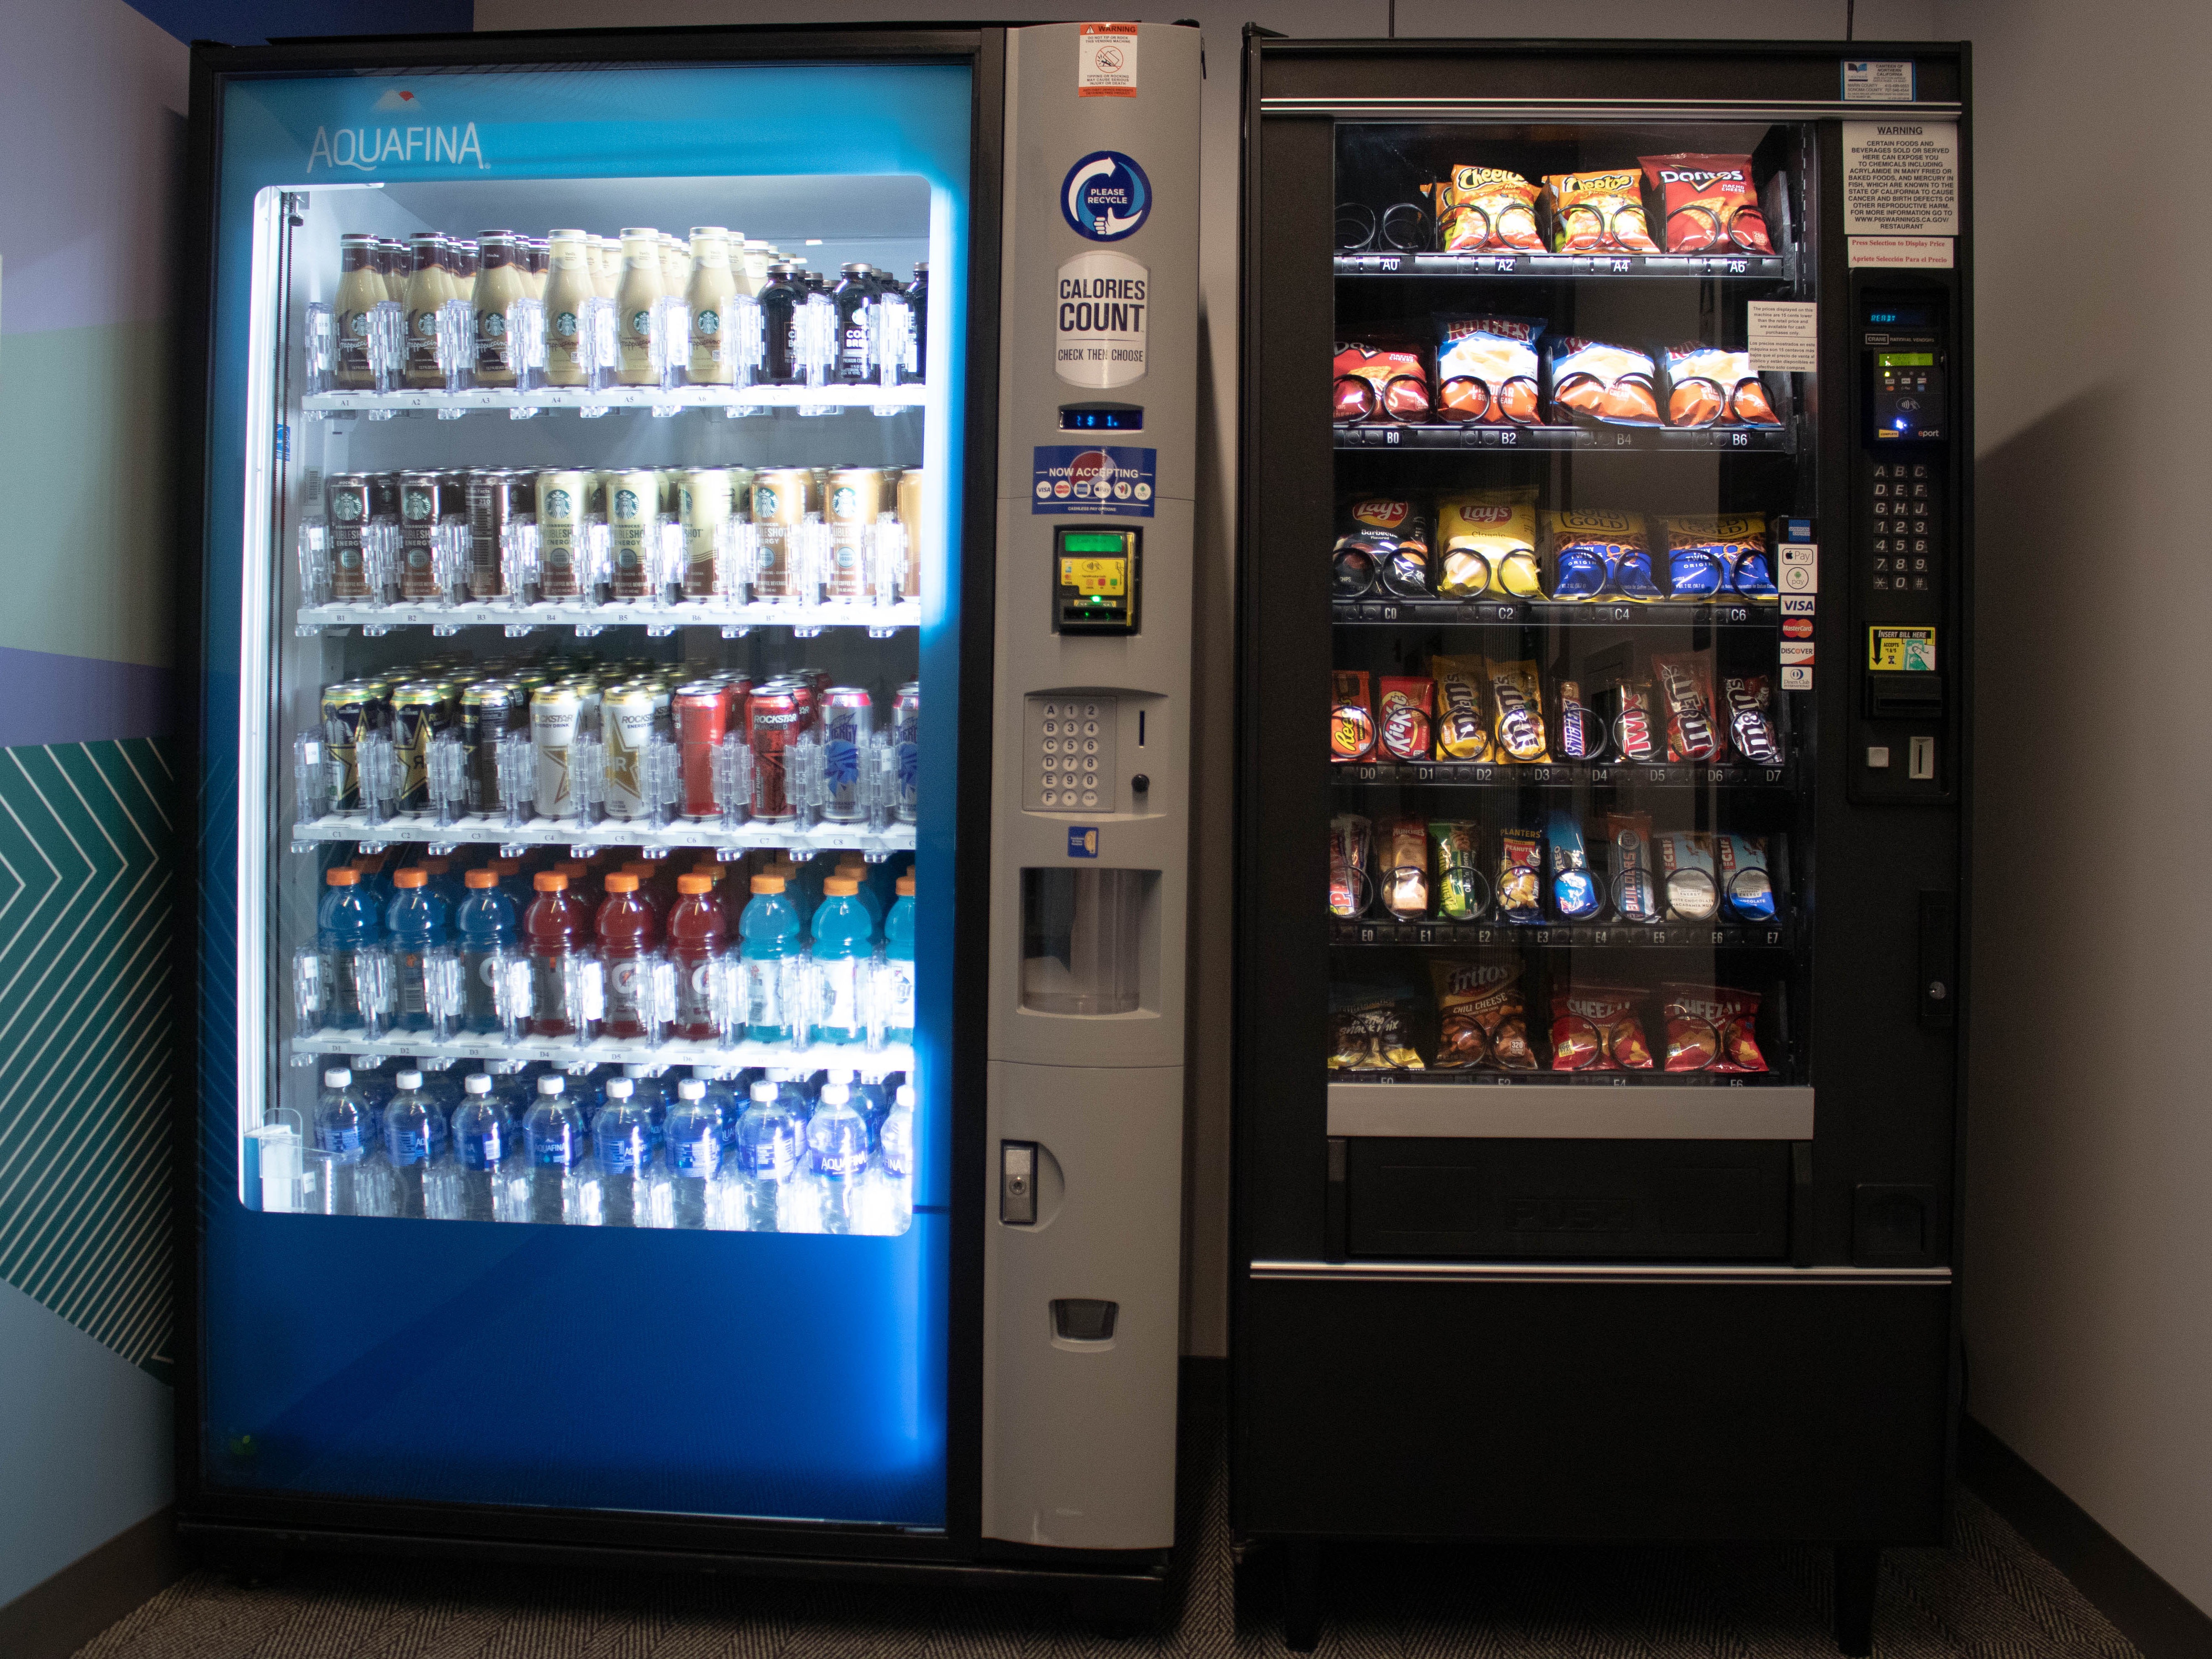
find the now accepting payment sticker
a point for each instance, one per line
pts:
(1094, 480)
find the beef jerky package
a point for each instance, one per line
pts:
(1597, 212)
(1688, 878)
(1486, 369)
(1404, 728)
(1708, 386)
(1520, 876)
(1594, 381)
(1711, 1028)
(1574, 889)
(1626, 707)
(1576, 733)
(1746, 702)
(1380, 382)
(1706, 203)
(1746, 886)
(1635, 884)
(1482, 1018)
(1516, 705)
(1482, 209)
(1406, 870)
(1371, 1028)
(1351, 866)
(1685, 692)
(1599, 1027)
(1710, 553)
(1351, 716)
(1593, 551)
(1488, 539)
(1455, 853)
(1461, 724)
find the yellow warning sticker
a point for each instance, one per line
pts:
(1089, 576)
(1901, 650)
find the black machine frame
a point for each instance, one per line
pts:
(1807, 1394)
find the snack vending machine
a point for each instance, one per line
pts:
(1605, 504)
(692, 639)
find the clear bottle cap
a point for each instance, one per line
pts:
(763, 1091)
(553, 1083)
(476, 1083)
(336, 1078)
(835, 1094)
(905, 1094)
(620, 1088)
(690, 1088)
(408, 1080)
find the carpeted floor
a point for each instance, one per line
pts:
(1987, 1596)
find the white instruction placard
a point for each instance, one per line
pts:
(1877, 81)
(1901, 178)
(1106, 61)
(1902, 252)
(1786, 335)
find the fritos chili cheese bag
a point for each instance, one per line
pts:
(1482, 1018)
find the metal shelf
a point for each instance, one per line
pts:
(587, 619)
(1748, 267)
(1483, 774)
(1554, 613)
(1704, 440)
(521, 405)
(1569, 935)
(608, 832)
(1573, 1106)
(607, 1051)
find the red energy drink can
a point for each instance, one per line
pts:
(701, 710)
(773, 716)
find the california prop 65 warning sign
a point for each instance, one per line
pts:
(1099, 328)
(1093, 480)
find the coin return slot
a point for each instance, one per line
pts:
(1921, 765)
(1083, 1319)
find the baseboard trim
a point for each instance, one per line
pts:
(53, 1620)
(2162, 1622)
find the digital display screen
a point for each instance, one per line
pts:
(1094, 418)
(1906, 359)
(1113, 542)
(1910, 316)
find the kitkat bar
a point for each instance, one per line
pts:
(1706, 204)
(1404, 728)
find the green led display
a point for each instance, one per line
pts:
(1906, 359)
(1113, 542)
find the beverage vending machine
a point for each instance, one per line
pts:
(692, 645)
(1605, 639)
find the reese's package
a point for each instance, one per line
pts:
(1576, 733)
(1371, 1028)
(1351, 716)
(1686, 691)
(1746, 700)
(1635, 887)
(1405, 870)
(1593, 551)
(1516, 705)
(1592, 380)
(1746, 884)
(1711, 1028)
(1710, 553)
(1486, 369)
(1688, 877)
(1482, 1020)
(1462, 729)
(1708, 386)
(1351, 866)
(1520, 876)
(1599, 1027)
(1403, 727)
(1706, 204)
(1482, 209)
(1488, 541)
(1574, 889)
(1597, 212)
(1455, 853)
(1380, 382)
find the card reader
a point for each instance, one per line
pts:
(1099, 572)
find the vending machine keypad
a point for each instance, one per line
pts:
(1907, 527)
(1070, 739)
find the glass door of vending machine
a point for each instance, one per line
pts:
(585, 439)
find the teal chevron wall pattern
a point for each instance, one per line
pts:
(86, 1037)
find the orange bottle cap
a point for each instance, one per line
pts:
(549, 881)
(619, 883)
(481, 878)
(767, 883)
(345, 876)
(411, 877)
(575, 870)
(906, 886)
(693, 884)
(840, 887)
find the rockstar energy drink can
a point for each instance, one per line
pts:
(419, 713)
(626, 725)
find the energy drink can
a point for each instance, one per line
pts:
(772, 718)
(910, 485)
(553, 718)
(781, 498)
(419, 713)
(560, 546)
(848, 720)
(351, 709)
(633, 521)
(855, 495)
(701, 712)
(626, 719)
(345, 497)
(418, 535)
(704, 497)
(491, 709)
(906, 740)
(490, 509)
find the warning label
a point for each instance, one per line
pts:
(1106, 61)
(1901, 178)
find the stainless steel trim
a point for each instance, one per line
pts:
(1577, 1273)
(1548, 1110)
(1603, 109)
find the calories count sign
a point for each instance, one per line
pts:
(1073, 480)
(1099, 329)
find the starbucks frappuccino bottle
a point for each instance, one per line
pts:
(713, 287)
(360, 290)
(426, 292)
(499, 283)
(606, 266)
(635, 304)
(568, 286)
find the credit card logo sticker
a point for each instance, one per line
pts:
(1083, 479)
(1106, 197)
(1082, 841)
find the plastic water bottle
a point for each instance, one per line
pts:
(837, 1145)
(895, 1163)
(343, 1135)
(768, 955)
(554, 1142)
(871, 1099)
(375, 1090)
(407, 1145)
(652, 1094)
(486, 923)
(770, 1138)
(895, 973)
(615, 1182)
(442, 1089)
(346, 935)
(693, 1159)
(463, 1184)
(843, 944)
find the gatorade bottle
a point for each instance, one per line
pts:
(374, 878)
(463, 1184)
(408, 1142)
(415, 920)
(509, 871)
(837, 1144)
(555, 1143)
(694, 1161)
(583, 886)
(444, 882)
(627, 936)
(647, 873)
(485, 923)
(843, 944)
(855, 868)
(554, 932)
(346, 933)
(770, 957)
(895, 974)
(770, 1139)
(696, 939)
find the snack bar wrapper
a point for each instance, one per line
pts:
(1371, 1028)
(1706, 204)
(1598, 1027)
(1351, 716)
(1747, 701)
(1520, 876)
(1688, 877)
(1597, 212)
(1710, 553)
(1594, 381)
(1406, 870)
(1708, 386)
(1455, 851)
(1746, 885)
(1488, 538)
(1626, 708)
(1516, 702)
(1635, 886)
(1405, 716)
(1594, 551)
(1686, 689)
(1578, 733)
(1711, 1028)
(1379, 382)
(1482, 209)
(1482, 1018)
(1574, 889)
(1462, 729)
(1486, 369)
(1351, 866)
